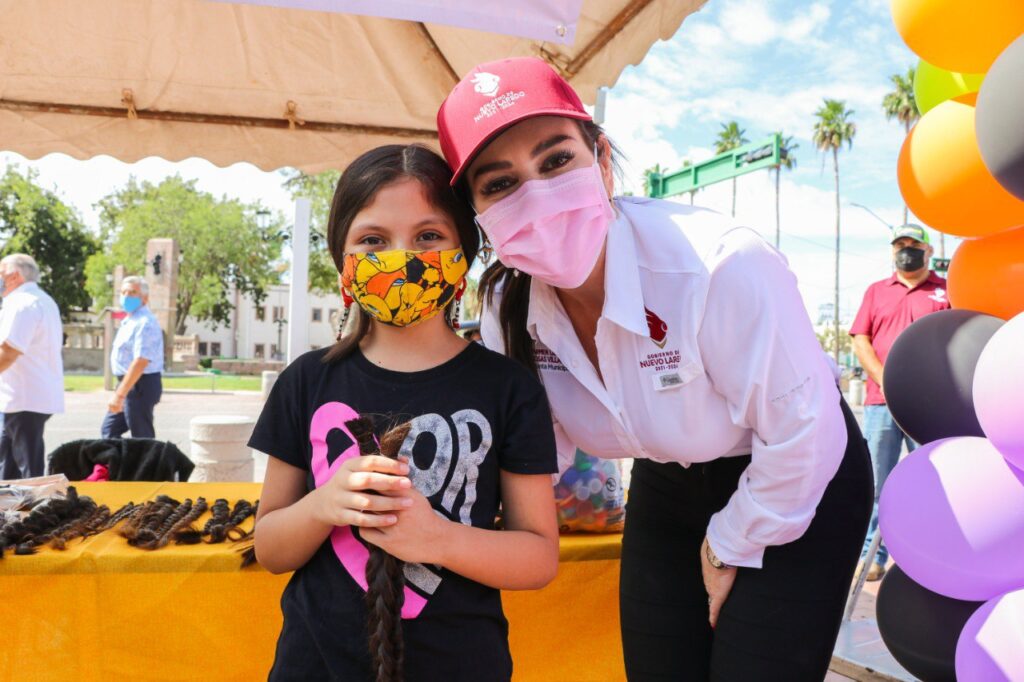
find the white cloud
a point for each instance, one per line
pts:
(803, 26)
(748, 22)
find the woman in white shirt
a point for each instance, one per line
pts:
(665, 333)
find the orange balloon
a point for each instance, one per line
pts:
(959, 35)
(945, 182)
(987, 275)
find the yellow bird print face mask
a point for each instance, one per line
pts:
(404, 288)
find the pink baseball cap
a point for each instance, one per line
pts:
(496, 95)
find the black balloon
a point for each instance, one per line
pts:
(920, 627)
(929, 374)
(999, 121)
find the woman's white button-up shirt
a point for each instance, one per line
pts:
(705, 351)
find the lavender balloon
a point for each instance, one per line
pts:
(999, 390)
(991, 645)
(952, 516)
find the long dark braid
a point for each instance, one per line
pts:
(163, 530)
(385, 576)
(184, 522)
(118, 516)
(243, 510)
(144, 528)
(220, 514)
(81, 527)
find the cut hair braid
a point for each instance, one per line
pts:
(385, 576)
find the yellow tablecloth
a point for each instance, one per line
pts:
(103, 611)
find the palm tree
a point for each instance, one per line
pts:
(901, 105)
(832, 130)
(730, 137)
(787, 161)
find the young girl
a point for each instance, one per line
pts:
(480, 433)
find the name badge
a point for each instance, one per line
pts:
(666, 381)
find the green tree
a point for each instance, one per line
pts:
(900, 104)
(221, 244)
(319, 189)
(788, 161)
(832, 130)
(827, 339)
(35, 221)
(730, 137)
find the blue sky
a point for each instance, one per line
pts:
(768, 64)
(765, 63)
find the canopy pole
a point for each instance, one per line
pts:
(298, 294)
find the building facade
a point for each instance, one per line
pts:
(260, 332)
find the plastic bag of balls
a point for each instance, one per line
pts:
(590, 496)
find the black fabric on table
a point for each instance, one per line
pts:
(128, 459)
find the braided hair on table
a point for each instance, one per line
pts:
(220, 515)
(184, 521)
(117, 517)
(83, 526)
(46, 520)
(152, 540)
(146, 528)
(385, 576)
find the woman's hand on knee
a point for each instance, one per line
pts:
(356, 493)
(717, 582)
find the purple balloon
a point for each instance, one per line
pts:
(999, 390)
(952, 516)
(991, 645)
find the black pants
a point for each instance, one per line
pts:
(22, 452)
(137, 414)
(780, 622)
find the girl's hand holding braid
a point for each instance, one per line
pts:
(357, 494)
(418, 536)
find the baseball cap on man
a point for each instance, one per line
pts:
(495, 96)
(913, 231)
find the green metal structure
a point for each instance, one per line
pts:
(740, 161)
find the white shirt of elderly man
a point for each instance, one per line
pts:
(31, 366)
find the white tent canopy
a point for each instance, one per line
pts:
(271, 85)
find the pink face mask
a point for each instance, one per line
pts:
(552, 229)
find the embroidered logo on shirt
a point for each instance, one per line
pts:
(658, 328)
(939, 295)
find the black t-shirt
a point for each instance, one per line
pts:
(471, 416)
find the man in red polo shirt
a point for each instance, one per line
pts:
(889, 307)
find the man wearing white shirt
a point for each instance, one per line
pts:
(31, 367)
